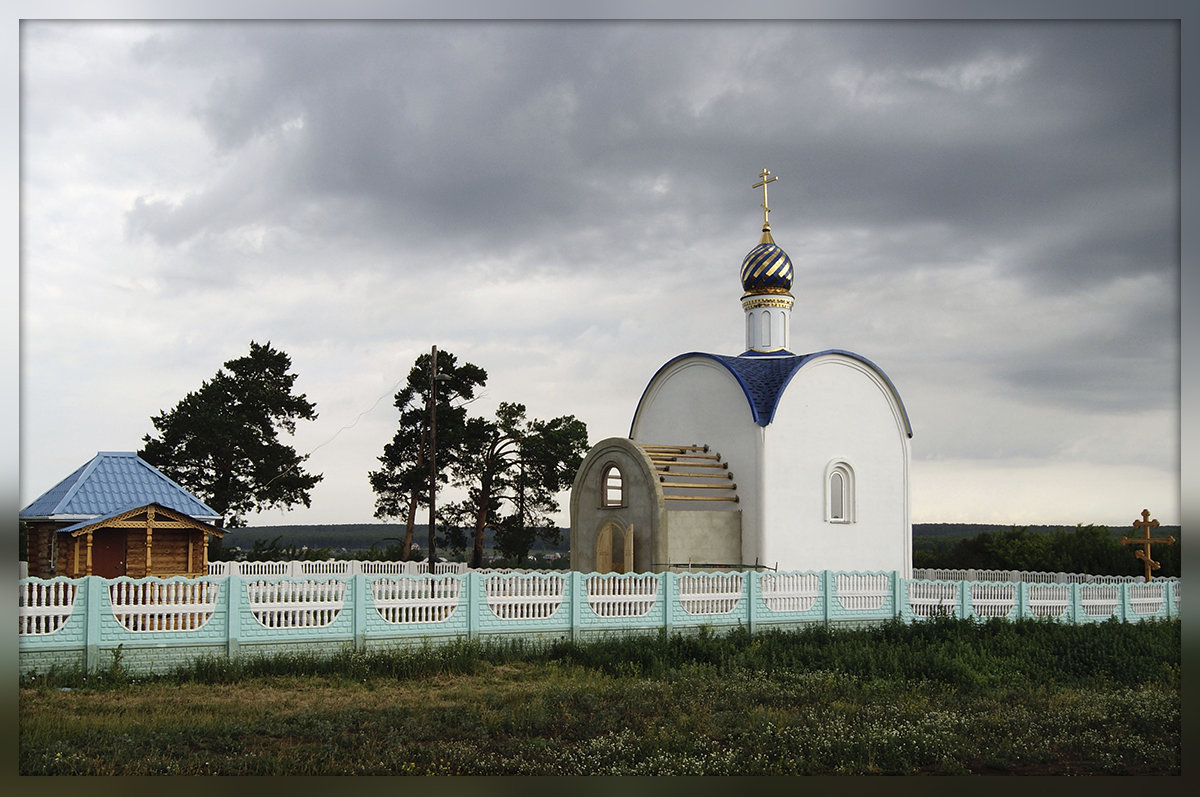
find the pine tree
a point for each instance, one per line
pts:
(401, 485)
(222, 441)
(518, 464)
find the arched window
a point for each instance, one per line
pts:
(612, 487)
(766, 328)
(839, 493)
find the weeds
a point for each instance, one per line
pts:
(943, 697)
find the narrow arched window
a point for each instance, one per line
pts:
(766, 328)
(837, 496)
(839, 493)
(612, 487)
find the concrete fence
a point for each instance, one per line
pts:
(1029, 576)
(332, 567)
(157, 624)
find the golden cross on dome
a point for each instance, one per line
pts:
(1145, 524)
(763, 180)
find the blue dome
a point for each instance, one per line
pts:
(767, 269)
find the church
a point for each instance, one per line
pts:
(764, 460)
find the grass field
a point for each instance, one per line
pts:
(943, 697)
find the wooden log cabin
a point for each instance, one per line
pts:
(117, 515)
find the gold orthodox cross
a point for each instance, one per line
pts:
(1145, 524)
(764, 179)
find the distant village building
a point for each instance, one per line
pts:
(763, 459)
(118, 515)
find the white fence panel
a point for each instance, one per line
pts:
(790, 592)
(863, 591)
(1099, 600)
(163, 605)
(993, 600)
(1048, 600)
(43, 606)
(378, 568)
(1146, 599)
(416, 600)
(932, 598)
(622, 596)
(524, 597)
(1026, 576)
(259, 568)
(441, 568)
(710, 593)
(296, 604)
(328, 567)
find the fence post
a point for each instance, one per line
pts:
(827, 579)
(1169, 598)
(1124, 602)
(359, 593)
(668, 593)
(964, 598)
(233, 615)
(94, 590)
(576, 593)
(754, 588)
(897, 594)
(1075, 603)
(1022, 599)
(475, 597)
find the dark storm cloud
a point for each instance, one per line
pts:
(506, 135)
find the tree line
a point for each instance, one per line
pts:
(222, 442)
(1085, 549)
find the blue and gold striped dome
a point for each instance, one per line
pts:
(767, 269)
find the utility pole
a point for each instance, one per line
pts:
(433, 380)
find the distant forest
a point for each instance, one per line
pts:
(1078, 549)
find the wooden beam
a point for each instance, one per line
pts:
(686, 485)
(733, 498)
(676, 457)
(668, 466)
(725, 474)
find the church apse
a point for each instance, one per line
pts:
(649, 508)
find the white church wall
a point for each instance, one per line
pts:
(697, 400)
(836, 409)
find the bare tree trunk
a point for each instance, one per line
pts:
(408, 528)
(481, 514)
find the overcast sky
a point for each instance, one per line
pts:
(988, 211)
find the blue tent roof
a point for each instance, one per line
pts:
(763, 378)
(114, 481)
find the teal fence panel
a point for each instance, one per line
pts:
(618, 602)
(858, 598)
(399, 610)
(783, 599)
(714, 600)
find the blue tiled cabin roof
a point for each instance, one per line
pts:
(114, 481)
(764, 377)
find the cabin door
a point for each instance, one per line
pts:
(614, 549)
(108, 553)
